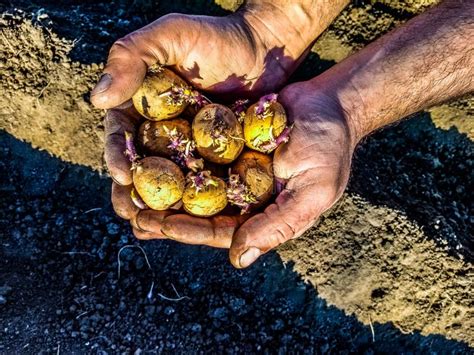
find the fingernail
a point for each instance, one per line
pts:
(166, 230)
(104, 83)
(279, 184)
(249, 256)
(134, 222)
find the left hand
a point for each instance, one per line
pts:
(315, 164)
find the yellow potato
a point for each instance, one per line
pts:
(159, 182)
(154, 136)
(205, 195)
(262, 128)
(251, 182)
(153, 98)
(218, 134)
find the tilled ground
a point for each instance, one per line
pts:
(389, 268)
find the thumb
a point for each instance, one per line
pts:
(295, 210)
(129, 59)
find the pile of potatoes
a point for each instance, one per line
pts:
(201, 156)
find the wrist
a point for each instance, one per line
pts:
(338, 103)
(290, 25)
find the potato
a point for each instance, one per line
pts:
(154, 100)
(154, 136)
(265, 125)
(218, 134)
(159, 182)
(205, 195)
(251, 181)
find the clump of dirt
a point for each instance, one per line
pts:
(45, 95)
(363, 22)
(357, 26)
(412, 6)
(451, 115)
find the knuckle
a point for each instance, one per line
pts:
(142, 219)
(122, 48)
(172, 18)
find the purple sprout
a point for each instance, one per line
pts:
(239, 194)
(182, 94)
(264, 103)
(201, 180)
(130, 150)
(276, 142)
(183, 149)
(239, 107)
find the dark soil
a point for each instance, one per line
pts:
(387, 270)
(60, 246)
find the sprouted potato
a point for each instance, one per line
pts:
(250, 181)
(158, 181)
(172, 139)
(218, 134)
(153, 99)
(205, 195)
(265, 125)
(155, 136)
(164, 95)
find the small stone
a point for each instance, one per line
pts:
(196, 328)
(218, 313)
(5, 290)
(169, 310)
(113, 228)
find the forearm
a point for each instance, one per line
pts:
(425, 62)
(293, 25)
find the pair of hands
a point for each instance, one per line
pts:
(229, 57)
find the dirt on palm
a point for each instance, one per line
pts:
(390, 267)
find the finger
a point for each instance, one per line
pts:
(151, 221)
(296, 209)
(122, 203)
(129, 59)
(116, 123)
(142, 235)
(216, 231)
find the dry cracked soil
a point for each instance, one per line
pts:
(389, 269)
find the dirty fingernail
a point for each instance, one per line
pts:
(249, 256)
(166, 230)
(103, 84)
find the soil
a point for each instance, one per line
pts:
(388, 269)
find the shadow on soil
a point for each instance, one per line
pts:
(416, 168)
(425, 172)
(60, 243)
